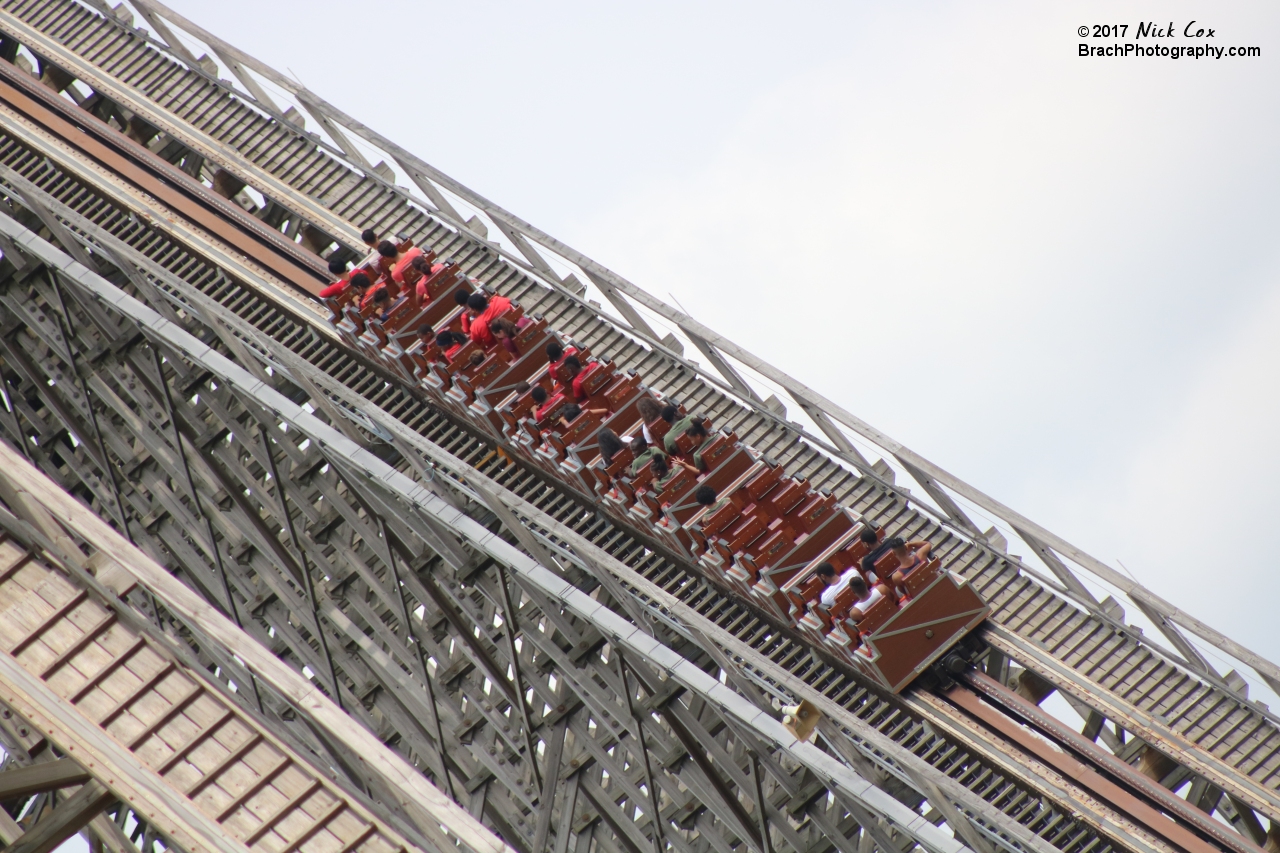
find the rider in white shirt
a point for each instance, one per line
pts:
(833, 590)
(864, 598)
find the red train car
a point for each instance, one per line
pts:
(764, 533)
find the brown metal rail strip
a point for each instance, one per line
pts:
(186, 196)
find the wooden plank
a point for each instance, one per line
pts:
(44, 776)
(194, 710)
(65, 820)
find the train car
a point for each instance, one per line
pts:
(898, 643)
(709, 499)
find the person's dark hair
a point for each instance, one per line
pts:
(705, 495)
(639, 445)
(369, 236)
(360, 281)
(610, 445)
(895, 543)
(669, 413)
(858, 585)
(570, 412)
(388, 249)
(444, 340)
(660, 466)
(649, 409)
(421, 264)
(554, 351)
(522, 387)
(696, 429)
(539, 394)
(826, 570)
(572, 365)
(381, 295)
(337, 266)
(869, 536)
(477, 359)
(869, 561)
(461, 297)
(477, 302)
(503, 325)
(425, 331)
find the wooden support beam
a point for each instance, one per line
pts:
(335, 133)
(1190, 653)
(65, 820)
(1059, 568)
(431, 191)
(722, 366)
(245, 77)
(940, 496)
(43, 776)
(166, 35)
(625, 308)
(531, 254)
(837, 436)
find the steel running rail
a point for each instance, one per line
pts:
(530, 243)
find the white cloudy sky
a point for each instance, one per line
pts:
(1058, 278)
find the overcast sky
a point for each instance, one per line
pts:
(1056, 277)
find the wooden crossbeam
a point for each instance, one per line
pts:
(65, 820)
(44, 776)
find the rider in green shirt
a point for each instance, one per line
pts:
(643, 453)
(677, 429)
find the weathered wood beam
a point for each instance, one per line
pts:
(42, 776)
(65, 820)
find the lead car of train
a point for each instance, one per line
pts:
(762, 541)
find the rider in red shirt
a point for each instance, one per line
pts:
(573, 367)
(360, 283)
(450, 342)
(543, 401)
(461, 297)
(338, 268)
(402, 261)
(422, 265)
(369, 293)
(556, 354)
(484, 309)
